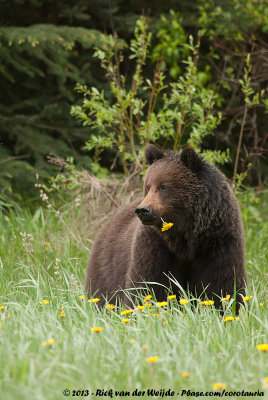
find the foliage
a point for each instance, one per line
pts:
(127, 122)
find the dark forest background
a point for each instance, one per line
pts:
(46, 48)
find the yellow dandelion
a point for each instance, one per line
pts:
(261, 304)
(171, 297)
(3, 307)
(44, 344)
(97, 329)
(207, 303)
(147, 298)
(126, 312)
(265, 383)
(51, 341)
(140, 308)
(145, 347)
(166, 226)
(185, 374)
(228, 319)
(246, 298)
(227, 298)
(45, 302)
(110, 306)
(62, 314)
(132, 340)
(251, 297)
(93, 300)
(262, 347)
(81, 297)
(156, 315)
(219, 385)
(161, 303)
(183, 301)
(0, 324)
(152, 359)
(125, 321)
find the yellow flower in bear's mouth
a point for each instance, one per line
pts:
(166, 225)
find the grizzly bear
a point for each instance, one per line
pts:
(202, 252)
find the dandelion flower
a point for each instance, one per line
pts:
(81, 297)
(43, 343)
(147, 304)
(51, 341)
(156, 315)
(44, 302)
(125, 321)
(262, 347)
(161, 303)
(183, 301)
(207, 303)
(171, 297)
(261, 304)
(126, 312)
(110, 306)
(227, 298)
(218, 385)
(132, 340)
(97, 329)
(185, 374)
(0, 324)
(3, 307)
(62, 314)
(228, 319)
(145, 347)
(152, 359)
(265, 383)
(147, 298)
(246, 298)
(166, 226)
(140, 308)
(93, 300)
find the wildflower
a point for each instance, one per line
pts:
(228, 319)
(3, 307)
(147, 304)
(147, 298)
(97, 329)
(261, 304)
(185, 374)
(51, 341)
(227, 298)
(171, 297)
(110, 306)
(246, 298)
(93, 300)
(132, 340)
(164, 323)
(251, 297)
(262, 347)
(219, 385)
(207, 303)
(45, 302)
(156, 315)
(62, 314)
(152, 359)
(43, 343)
(161, 303)
(183, 301)
(140, 308)
(145, 347)
(126, 312)
(81, 297)
(126, 320)
(166, 226)
(265, 383)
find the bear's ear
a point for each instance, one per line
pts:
(152, 153)
(191, 159)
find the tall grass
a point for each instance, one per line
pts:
(50, 265)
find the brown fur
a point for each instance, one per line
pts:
(203, 250)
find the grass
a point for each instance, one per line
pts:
(50, 265)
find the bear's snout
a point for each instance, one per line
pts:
(146, 215)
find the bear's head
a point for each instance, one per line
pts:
(174, 187)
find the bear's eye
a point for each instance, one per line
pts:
(162, 188)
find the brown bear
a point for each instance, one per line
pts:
(203, 251)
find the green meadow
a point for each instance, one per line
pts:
(172, 350)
